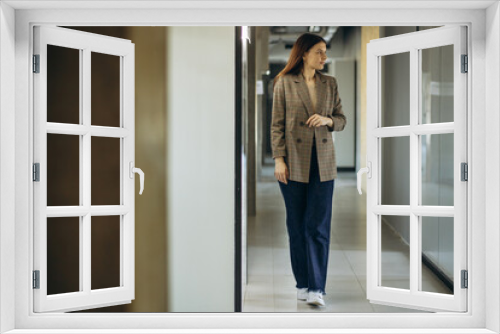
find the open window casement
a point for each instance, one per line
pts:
(417, 171)
(78, 153)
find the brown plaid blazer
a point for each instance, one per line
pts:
(292, 138)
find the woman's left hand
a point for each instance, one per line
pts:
(318, 120)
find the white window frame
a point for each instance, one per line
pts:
(483, 50)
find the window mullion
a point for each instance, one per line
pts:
(86, 247)
(80, 211)
(85, 164)
(81, 220)
(414, 219)
(122, 180)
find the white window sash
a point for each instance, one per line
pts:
(85, 298)
(413, 297)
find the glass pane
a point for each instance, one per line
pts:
(395, 170)
(437, 84)
(105, 171)
(63, 85)
(63, 255)
(437, 169)
(395, 89)
(437, 254)
(63, 170)
(395, 251)
(105, 90)
(105, 251)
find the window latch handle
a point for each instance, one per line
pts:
(368, 171)
(138, 171)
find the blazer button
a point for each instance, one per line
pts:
(324, 140)
(301, 123)
(299, 140)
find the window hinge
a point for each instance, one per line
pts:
(465, 279)
(36, 63)
(465, 171)
(465, 64)
(36, 172)
(36, 279)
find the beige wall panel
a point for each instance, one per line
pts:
(367, 34)
(150, 156)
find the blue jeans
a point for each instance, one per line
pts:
(308, 222)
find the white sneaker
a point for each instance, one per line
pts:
(302, 294)
(315, 298)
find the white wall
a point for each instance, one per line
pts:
(200, 169)
(345, 148)
(351, 49)
(7, 167)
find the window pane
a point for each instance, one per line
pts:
(105, 171)
(437, 169)
(437, 254)
(63, 170)
(63, 255)
(63, 85)
(105, 90)
(395, 89)
(105, 251)
(437, 84)
(395, 170)
(395, 251)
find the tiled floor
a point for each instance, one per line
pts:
(271, 285)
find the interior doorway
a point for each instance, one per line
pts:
(270, 282)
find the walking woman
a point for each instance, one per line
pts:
(306, 109)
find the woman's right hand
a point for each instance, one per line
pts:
(281, 170)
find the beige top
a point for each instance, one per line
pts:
(312, 93)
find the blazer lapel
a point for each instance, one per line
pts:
(320, 93)
(303, 92)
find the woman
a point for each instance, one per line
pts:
(306, 109)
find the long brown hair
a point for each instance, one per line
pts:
(295, 63)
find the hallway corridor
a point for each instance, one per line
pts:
(271, 285)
